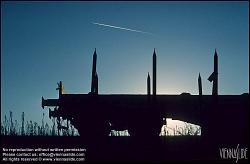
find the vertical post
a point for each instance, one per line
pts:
(200, 85)
(96, 83)
(200, 99)
(93, 72)
(148, 87)
(154, 75)
(214, 76)
(215, 81)
(60, 89)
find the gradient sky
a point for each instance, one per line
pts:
(45, 42)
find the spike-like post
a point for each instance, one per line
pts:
(154, 74)
(93, 72)
(148, 85)
(215, 81)
(200, 85)
(96, 83)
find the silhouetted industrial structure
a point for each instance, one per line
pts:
(94, 114)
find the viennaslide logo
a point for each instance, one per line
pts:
(233, 153)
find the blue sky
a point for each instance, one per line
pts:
(45, 42)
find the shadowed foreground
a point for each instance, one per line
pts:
(130, 149)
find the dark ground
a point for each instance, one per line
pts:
(193, 149)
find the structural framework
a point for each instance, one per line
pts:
(95, 115)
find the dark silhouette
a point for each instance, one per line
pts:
(109, 107)
(95, 115)
(154, 74)
(200, 85)
(148, 85)
(94, 80)
(214, 76)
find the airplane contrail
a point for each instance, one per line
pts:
(122, 28)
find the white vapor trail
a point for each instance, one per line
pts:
(121, 28)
